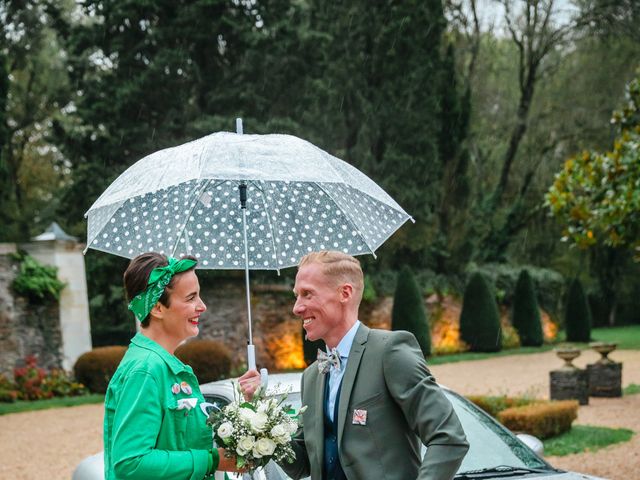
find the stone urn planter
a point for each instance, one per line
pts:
(605, 376)
(569, 382)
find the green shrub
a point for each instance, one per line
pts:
(480, 319)
(29, 380)
(549, 284)
(543, 420)
(39, 283)
(408, 311)
(526, 313)
(61, 385)
(8, 390)
(96, 367)
(577, 315)
(35, 383)
(493, 405)
(209, 359)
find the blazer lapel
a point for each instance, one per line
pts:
(348, 381)
(318, 396)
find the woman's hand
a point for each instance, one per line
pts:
(249, 383)
(228, 464)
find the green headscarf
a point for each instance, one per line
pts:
(159, 278)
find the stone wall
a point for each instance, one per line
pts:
(25, 329)
(277, 333)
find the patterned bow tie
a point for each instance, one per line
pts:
(328, 360)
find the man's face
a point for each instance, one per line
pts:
(318, 303)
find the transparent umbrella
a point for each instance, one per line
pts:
(239, 201)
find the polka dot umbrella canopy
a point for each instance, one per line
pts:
(185, 200)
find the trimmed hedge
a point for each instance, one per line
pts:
(209, 359)
(577, 315)
(408, 311)
(95, 368)
(480, 319)
(526, 313)
(542, 420)
(493, 405)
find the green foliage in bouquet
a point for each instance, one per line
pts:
(526, 313)
(480, 319)
(256, 431)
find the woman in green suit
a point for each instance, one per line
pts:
(154, 426)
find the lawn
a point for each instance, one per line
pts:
(627, 338)
(26, 406)
(583, 438)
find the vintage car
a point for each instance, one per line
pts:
(494, 453)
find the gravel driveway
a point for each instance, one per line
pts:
(48, 444)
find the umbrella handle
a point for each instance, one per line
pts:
(251, 357)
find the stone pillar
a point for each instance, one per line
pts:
(570, 385)
(605, 380)
(569, 382)
(56, 248)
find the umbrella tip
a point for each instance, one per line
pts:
(239, 126)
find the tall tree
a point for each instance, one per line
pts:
(33, 90)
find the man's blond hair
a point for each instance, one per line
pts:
(340, 267)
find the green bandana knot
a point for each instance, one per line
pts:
(159, 278)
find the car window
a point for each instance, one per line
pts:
(217, 402)
(490, 443)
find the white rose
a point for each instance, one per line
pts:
(259, 421)
(279, 430)
(245, 445)
(225, 430)
(280, 433)
(264, 447)
(246, 414)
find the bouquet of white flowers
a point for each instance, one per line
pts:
(256, 431)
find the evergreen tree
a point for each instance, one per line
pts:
(526, 312)
(480, 319)
(577, 320)
(408, 310)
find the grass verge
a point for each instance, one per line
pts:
(631, 389)
(585, 438)
(27, 406)
(466, 356)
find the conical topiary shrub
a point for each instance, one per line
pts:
(408, 311)
(577, 320)
(526, 313)
(480, 319)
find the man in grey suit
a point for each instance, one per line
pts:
(368, 412)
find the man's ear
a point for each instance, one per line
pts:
(346, 292)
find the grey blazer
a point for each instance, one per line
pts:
(387, 377)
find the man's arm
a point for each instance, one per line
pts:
(427, 411)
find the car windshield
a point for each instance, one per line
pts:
(491, 445)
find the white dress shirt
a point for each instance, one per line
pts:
(335, 376)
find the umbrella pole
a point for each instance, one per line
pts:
(251, 349)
